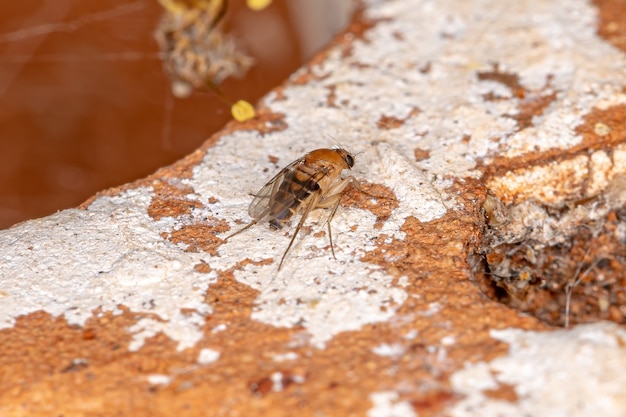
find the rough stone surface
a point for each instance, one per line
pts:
(135, 304)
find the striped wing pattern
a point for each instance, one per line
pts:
(284, 194)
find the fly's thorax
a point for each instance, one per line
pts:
(322, 168)
(339, 158)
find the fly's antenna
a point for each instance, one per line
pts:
(341, 146)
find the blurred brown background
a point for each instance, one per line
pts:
(85, 104)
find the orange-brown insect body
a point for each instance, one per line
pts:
(310, 182)
(313, 174)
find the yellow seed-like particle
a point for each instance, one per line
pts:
(258, 4)
(601, 129)
(242, 111)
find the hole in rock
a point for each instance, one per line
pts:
(563, 264)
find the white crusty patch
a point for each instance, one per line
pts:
(324, 295)
(159, 379)
(568, 180)
(207, 356)
(389, 404)
(76, 261)
(419, 63)
(577, 372)
(415, 192)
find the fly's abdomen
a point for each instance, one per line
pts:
(296, 188)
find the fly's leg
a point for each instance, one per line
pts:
(333, 200)
(338, 188)
(241, 230)
(259, 216)
(311, 205)
(356, 185)
(335, 193)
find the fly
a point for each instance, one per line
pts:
(313, 181)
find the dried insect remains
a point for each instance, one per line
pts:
(198, 54)
(313, 181)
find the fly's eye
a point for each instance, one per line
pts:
(350, 160)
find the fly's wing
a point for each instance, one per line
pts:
(264, 201)
(279, 195)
